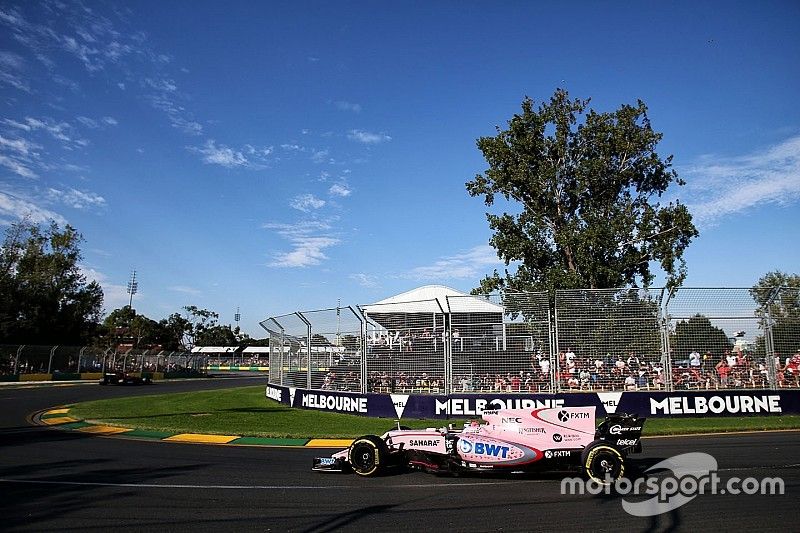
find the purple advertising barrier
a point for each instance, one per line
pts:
(650, 404)
(711, 403)
(423, 405)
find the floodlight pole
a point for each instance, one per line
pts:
(133, 287)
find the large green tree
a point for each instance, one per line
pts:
(125, 325)
(698, 333)
(44, 296)
(581, 192)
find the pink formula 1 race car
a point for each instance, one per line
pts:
(510, 440)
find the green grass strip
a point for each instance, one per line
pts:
(263, 441)
(246, 412)
(146, 434)
(73, 425)
(45, 416)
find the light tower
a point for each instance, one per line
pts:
(133, 286)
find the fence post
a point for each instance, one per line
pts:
(50, 362)
(308, 348)
(448, 348)
(769, 341)
(552, 355)
(362, 364)
(666, 355)
(16, 359)
(80, 355)
(556, 363)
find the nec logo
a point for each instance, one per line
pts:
(511, 420)
(564, 416)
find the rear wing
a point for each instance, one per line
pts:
(624, 431)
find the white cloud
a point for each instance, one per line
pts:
(88, 122)
(185, 290)
(76, 199)
(319, 156)
(165, 85)
(10, 66)
(719, 186)
(348, 106)
(21, 146)
(261, 152)
(365, 280)
(16, 208)
(17, 167)
(114, 295)
(11, 60)
(222, 155)
(248, 156)
(339, 189)
(292, 147)
(472, 263)
(60, 131)
(111, 121)
(306, 203)
(308, 239)
(367, 137)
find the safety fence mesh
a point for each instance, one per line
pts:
(573, 340)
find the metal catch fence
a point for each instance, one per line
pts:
(71, 361)
(578, 340)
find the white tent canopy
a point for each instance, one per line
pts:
(433, 299)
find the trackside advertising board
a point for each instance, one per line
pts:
(650, 404)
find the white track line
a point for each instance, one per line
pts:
(261, 487)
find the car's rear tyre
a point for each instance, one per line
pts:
(603, 463)
(367, 455)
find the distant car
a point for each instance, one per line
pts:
(124, 378)
(510, 440)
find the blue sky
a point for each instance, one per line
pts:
(277, 156)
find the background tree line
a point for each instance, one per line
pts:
(46, 299)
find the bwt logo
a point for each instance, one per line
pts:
(564, 416)
(482, 448)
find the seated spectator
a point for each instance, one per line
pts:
(694, 359)
(723, 369)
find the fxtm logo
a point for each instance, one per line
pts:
(564, 416)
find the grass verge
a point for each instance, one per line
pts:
(246, 412)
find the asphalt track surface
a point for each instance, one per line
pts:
(52, 479)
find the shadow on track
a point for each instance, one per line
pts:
(26, 435)
(36, 494)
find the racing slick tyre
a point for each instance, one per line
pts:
(367, 455)
(603, 463)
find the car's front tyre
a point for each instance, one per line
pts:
(367, 455)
